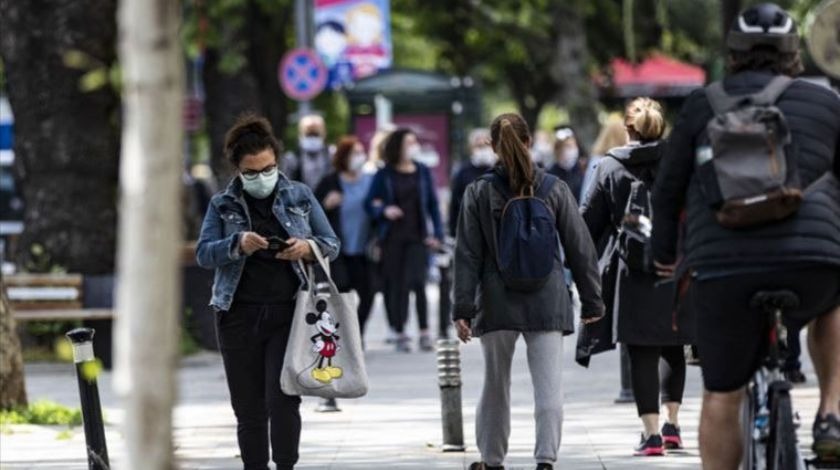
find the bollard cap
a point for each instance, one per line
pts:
(80, 335)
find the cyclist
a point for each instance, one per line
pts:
(727, 266)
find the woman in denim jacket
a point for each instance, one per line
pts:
(254, 234)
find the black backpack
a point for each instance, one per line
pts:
(527, 241)
(747, 170)
(635, 228)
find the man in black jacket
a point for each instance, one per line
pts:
(728, 266)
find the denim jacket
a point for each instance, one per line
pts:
(382, 195)
(227, 217)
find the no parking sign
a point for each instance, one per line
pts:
(302, 74)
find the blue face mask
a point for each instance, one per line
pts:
(262, 185)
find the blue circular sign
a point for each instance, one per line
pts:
(302, 74)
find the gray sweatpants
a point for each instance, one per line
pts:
(492, 423)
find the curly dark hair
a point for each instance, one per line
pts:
(765, 58)
(249, 135)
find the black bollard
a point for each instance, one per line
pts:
(449, 380)
(443, 260)
(97, 451)
(626, 393)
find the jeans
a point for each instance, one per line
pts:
(252, 340)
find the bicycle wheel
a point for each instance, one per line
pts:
(747, 427)
(781, 451)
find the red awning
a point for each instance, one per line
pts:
(658, 75)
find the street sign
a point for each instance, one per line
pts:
(302, 74)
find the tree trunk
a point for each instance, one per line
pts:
(251, 87)
(12, 384)
(66, 137)
(148, 295)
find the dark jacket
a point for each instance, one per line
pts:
(382, 195)
(572, 177)
(480, 294)
(327, 185)
(640, 303)
(465, 175)
(811, 236)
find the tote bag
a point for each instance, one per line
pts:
(324, 355)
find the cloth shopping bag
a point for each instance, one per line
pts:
(324, 355)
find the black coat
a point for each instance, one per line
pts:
(640, 303)
(463, 177)
(572, 177)
(811, 236)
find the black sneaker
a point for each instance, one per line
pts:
(671, 436)
(484, 466)
(795, 376)
(650, 446)
(545, 466)
(827, 438)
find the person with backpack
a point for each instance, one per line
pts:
(752, 166)
(618, 207)
(515, 226)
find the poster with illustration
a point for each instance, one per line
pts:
(353, 38)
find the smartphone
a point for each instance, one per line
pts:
(277, 244)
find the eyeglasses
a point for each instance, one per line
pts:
(251, 175)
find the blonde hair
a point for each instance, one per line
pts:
(612, 134)
(644, 119)
(376, 146)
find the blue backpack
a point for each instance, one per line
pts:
(527, 240)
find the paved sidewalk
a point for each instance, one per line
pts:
(396, 426)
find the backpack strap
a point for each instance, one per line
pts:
(722, 102)
(498, 183)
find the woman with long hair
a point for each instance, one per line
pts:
(486, 307)
(642, 304)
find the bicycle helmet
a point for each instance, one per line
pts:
(765, 24)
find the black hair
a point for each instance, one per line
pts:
(766, 58)
(392, 150)
(250, 135)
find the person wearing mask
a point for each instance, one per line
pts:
(542, 150)
(568, 158)
(643, 307)
(481, 161)
(342, 194)
(728, 266)
(612, 134)
(312, 162)
(486, 308)
(403, 203)
(254, 235)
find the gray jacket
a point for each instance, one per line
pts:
(480, 294)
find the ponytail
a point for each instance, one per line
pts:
(508, 133)
(644, 117)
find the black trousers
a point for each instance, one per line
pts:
(356, 273)
(649, 377)
(252, 340)
(404, 268)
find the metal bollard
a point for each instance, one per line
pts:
(449, 380)
(625, 395)
(97, 451)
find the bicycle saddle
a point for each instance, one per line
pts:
(769, 300)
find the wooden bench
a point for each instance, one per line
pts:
(51, 297)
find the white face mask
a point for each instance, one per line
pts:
(262, 186)
(312, 143)
(483, 156)
(357, 161)
(414, 152)
(568, 158)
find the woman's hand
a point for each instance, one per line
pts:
(249, 242)
(393, 213)
(464, 331)
(433, 243)
(298, 250)
(664, 270)
(333, 200)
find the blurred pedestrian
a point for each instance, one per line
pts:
(403, 202)
(312, 162)
(612, 134)
(542, 149)
(254, 236)
(642, 306)
(491, 306)
(481, 161)
(569, 159)
(342, 193)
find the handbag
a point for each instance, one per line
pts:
(324, 355)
